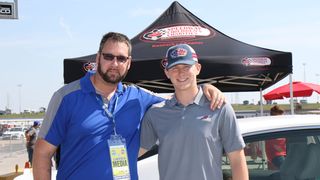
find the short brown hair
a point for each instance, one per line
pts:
(115, 37)
(276, 110)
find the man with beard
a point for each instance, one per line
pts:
(96, 120)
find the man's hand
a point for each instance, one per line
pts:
(216, 97)
(142, 151)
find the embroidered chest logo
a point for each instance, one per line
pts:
(205, 118)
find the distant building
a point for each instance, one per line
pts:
(246, 113)
(8, 111)
(2, 112)
(42, 109)
(269, 102)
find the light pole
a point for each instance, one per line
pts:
(16, 8)
(317, 75)
(304, 72)
(304, 76)
(19, 86)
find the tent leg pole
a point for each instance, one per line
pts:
(261, 103)
(291, 94)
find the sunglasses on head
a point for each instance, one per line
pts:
(110, 57)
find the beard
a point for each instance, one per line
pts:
(113, 79)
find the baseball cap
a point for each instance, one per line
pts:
(180, 54)
(36, 123)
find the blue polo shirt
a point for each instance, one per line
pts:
(76, 120)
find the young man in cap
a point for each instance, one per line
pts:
(191, 136)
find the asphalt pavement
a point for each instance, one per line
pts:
(12, 153)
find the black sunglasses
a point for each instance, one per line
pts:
(110, 57)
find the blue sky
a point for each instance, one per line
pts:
(33, 47)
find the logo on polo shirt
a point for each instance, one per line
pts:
(205, 118)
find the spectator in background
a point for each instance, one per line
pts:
(31, 136)
(276, 148)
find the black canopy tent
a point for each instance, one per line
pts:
(229, 64)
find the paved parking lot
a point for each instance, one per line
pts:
(12, 152)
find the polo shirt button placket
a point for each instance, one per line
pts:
(183, 113)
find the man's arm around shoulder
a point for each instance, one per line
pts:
(43, 153)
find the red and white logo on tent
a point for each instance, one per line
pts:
(89, 66)
(154, 34)
(256, 61)
(164, 63)
(178, 32)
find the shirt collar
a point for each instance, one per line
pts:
(86, 84)
(199, 99)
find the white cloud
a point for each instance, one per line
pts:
(139, 12)
(65, 27)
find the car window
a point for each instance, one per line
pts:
(16, 129)
(284, 155)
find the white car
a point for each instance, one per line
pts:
(301, 137)
(14, 133)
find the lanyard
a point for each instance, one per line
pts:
(110, 113)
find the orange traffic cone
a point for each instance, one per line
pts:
(27, 169)
(27, 165)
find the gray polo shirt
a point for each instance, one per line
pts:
(191, 138)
